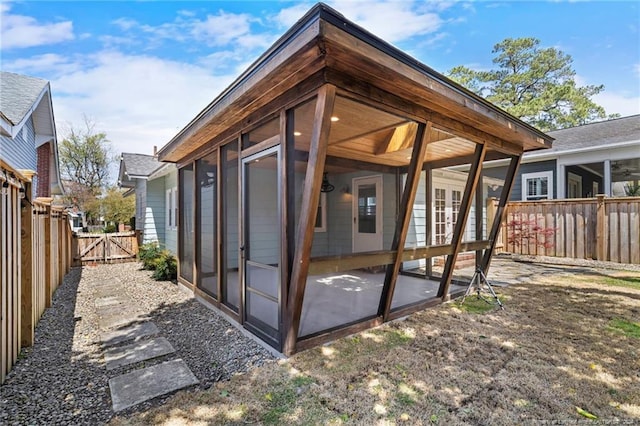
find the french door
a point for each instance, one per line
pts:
(446, 207)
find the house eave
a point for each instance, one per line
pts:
(163, 170)
(307, 45)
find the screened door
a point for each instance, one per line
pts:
(261, 244)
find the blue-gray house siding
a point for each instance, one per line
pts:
(154, 220)
(525, 168)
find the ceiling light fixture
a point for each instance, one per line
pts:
(326, 186)
(297, 134)
(334, 118)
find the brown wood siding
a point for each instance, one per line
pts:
(34, 242)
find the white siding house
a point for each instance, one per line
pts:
(28, 132)
(154, 184)
(595, 158)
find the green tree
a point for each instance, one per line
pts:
(115, 207)
(85, 158)
(534, 84)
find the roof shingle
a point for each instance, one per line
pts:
(596, 134)
(139, 164)
(18, 93)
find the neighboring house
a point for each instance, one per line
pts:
(154, 185)
(28, 131)
(596, 158)
(322, 170)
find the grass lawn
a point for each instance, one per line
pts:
(565, 348)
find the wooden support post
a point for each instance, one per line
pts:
(287, 206)
(498, 214)
(479, 195)
(420, 143)
(602, 239)
(458, 232)
(308, 211)
(27, 292)
(219, 227)
(429, 217)
(48, 250)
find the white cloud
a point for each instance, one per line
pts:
(219, 29)
(290, 15)
(42, 64)
(222, 28)
(125, 24)
(19, 31)
(138, 101)
(392, 21)
(620, 103)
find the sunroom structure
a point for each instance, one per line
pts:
(318, 194)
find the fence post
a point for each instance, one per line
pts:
(48, 248)
(61, 266)
(27, 325)
(68, 241)
(602, 239)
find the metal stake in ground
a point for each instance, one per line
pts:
(477, 283)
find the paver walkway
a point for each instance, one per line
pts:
(129, 340)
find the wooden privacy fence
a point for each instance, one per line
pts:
(35, 254)
(104, 248)
(587, 228)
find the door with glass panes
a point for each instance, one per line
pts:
(367, 214)
(446, 207)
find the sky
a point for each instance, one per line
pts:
(140, 71)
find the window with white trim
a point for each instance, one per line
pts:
(537, 186)
(171, 208)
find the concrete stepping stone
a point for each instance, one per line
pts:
(107, 291)
(114, 309)
(136, 352)
(131, 332)
(118, 319)
(109, 301)
(141, 385)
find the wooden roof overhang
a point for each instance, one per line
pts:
(324, 47)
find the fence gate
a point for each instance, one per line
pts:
(104, 248)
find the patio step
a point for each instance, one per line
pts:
(142, 385)
(137, 352)
(131, 332)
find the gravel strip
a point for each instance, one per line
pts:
(62, 379)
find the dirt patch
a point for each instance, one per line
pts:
(564, 348)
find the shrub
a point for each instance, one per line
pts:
(148, 253)
(525, 232)
(166, 267)
(110, 229)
